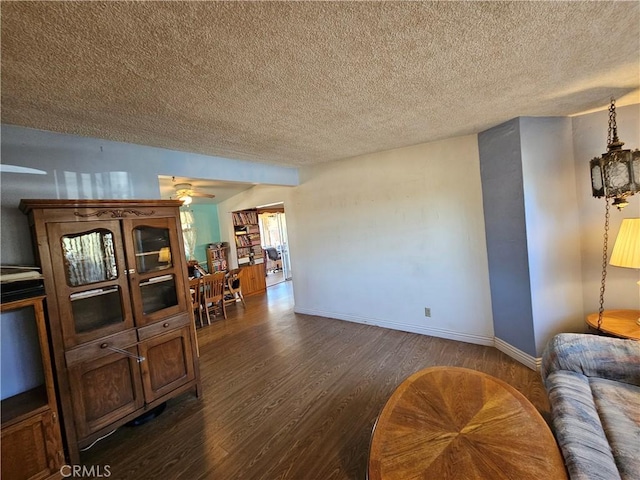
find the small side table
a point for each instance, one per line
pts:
(618, 323)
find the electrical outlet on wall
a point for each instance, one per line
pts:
(427, 312)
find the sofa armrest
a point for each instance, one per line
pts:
(593, 356)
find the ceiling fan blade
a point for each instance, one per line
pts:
(204, 195)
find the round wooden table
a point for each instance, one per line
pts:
(619, 323)
(454, 423)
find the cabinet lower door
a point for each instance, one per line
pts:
(252, 279)
(104, 390)
(32, 448)
(168, 363)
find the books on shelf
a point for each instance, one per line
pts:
(247, 230)
(245, 217)
(219, 266)
(248, 240)
(247, 237)
(217, 257)
(216, 254)
(243, 241)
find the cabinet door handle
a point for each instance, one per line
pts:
(124, 352)
(165, 325)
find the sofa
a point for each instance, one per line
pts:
(593, 384)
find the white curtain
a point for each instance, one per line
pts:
(188, 233)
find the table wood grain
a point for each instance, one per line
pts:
(455, 423)
(619, 323)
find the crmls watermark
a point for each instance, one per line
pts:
(88, 471)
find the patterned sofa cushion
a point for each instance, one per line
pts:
(618, 405)
(578, 429)
(593, 383)
(593, 356)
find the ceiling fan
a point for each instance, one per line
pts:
(185, 192)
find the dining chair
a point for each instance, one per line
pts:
(213, 294)
(195, 287)
(233, 290)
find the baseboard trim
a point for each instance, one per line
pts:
(506, 348)
(405, 327)
(528, 360)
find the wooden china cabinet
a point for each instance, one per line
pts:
(116, 281)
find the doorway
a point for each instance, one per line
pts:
(273, 232)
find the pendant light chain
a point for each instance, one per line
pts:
(604, 262)
(612, 135)
(612, 123)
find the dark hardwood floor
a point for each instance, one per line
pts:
(288, 396)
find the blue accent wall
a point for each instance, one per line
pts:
(208, 229)
(506, 235)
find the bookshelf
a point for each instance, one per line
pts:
(217, 257)
(247, 237)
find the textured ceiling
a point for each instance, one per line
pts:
(294, 83)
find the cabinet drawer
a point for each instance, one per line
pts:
(163, 326)
(100, 348)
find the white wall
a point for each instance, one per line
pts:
(380, 237)
(552, 227)
(589, 141)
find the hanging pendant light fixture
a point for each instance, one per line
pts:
(616, 174)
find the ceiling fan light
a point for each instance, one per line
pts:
(186, 199)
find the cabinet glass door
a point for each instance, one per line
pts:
(154, 248)
(90, 276)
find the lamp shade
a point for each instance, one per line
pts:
(626, 251)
